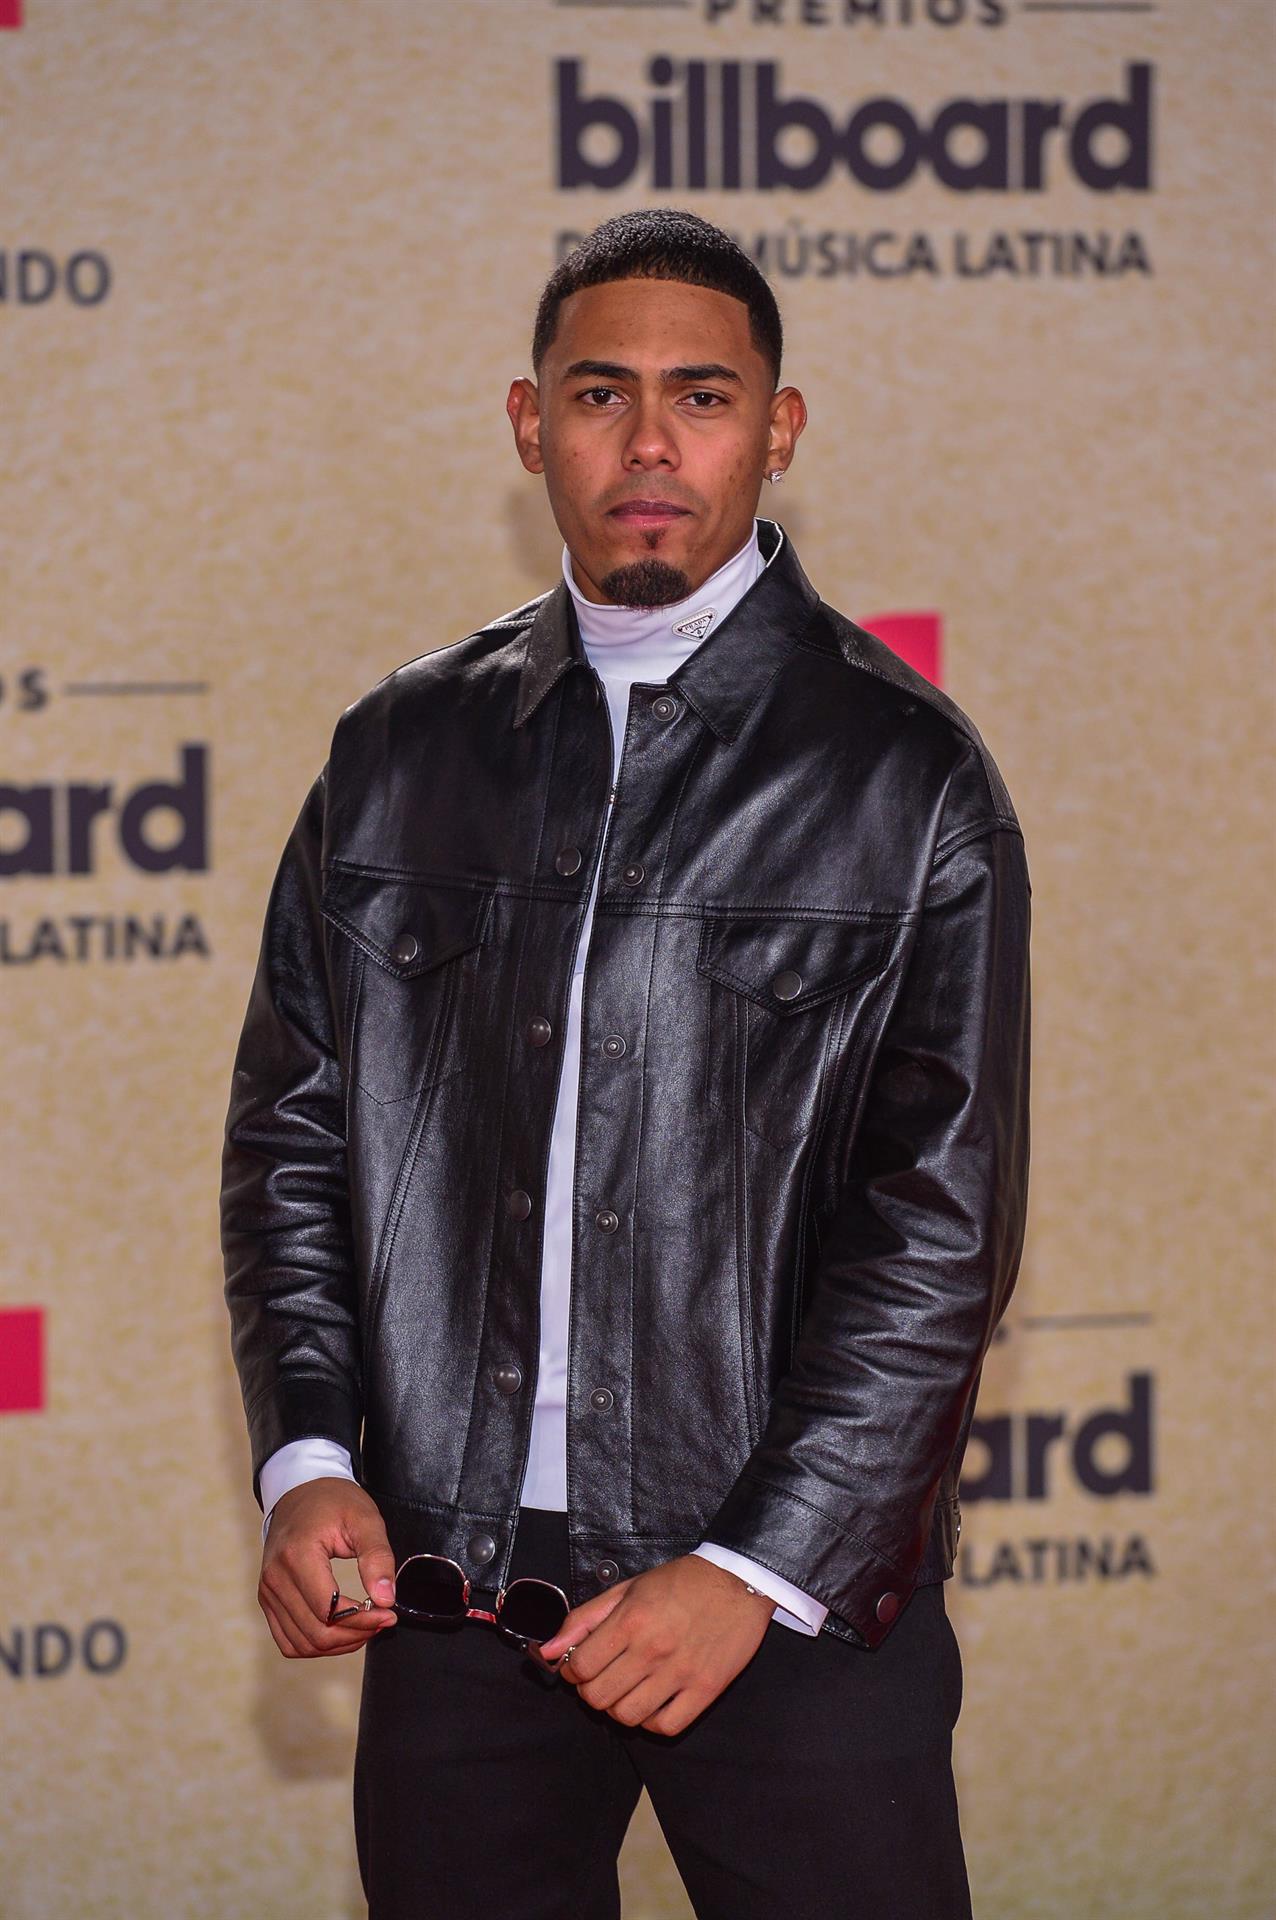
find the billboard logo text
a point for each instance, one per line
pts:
(730, 125)
(53, 828)
(1109, 1451)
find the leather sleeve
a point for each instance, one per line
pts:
(285, 1220)
(918, 1261)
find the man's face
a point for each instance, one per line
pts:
(654, 422)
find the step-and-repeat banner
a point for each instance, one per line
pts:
(265, 274)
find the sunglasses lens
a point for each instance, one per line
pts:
(533, 1609)
(431, 1586)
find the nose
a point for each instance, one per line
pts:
(649, 443)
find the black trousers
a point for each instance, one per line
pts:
(818, 1785)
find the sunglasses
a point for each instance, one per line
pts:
(429, 1587)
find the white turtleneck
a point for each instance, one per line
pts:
(623, 645)
(626, 644)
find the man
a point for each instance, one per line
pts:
(626, 1170)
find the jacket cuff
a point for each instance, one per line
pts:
(803, 1545)
(308, 1408)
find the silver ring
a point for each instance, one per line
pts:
(567, 1656)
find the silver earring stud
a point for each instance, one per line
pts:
(775, 476)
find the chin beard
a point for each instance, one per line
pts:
(646, 583)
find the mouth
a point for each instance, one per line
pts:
(647, 513)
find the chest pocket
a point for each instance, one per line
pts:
(785, 998)
(411, 984)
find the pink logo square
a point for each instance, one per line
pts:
(21, 1359)
(915, 637)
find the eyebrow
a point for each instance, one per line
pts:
(670, 376)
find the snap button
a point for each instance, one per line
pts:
(481, 1549)
(787, 985)
(519, 1204)
(607, 1571)
(887, 1607)
(602, 1399)
(539, 1031)
(634, 874)
(607, 1220)
(664, 707)
(568, 861)
(406, 949)
(509, 1379)
(614, 1046)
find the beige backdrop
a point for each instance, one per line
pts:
(253, 456)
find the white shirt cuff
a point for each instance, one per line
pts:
(793, 1607)
(301, 1460)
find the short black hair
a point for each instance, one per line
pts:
(662, 243)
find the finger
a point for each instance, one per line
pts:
(294, 1615)
(281, 1630)
(350, 1635)
(370, 1545)
(563, 1668)
(583, 1620)
(290, 1639)
(308, 1568)
(576, 1669)
(642, 1704)
(618, 1678)
(313, 1633)
(271, 1594)
(599, 1648)
(676, 1714)
(549, 1666)
(313, 1582)
(364, 1624)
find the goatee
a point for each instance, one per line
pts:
(646, 583)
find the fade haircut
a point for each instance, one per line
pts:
(662, 243)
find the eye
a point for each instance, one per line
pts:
(598, 396)
(703, 395)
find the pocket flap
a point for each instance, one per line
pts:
(787, 965)
(406, 926)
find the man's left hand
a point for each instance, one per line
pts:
(656, 1650)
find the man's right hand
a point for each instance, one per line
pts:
(311, 1526)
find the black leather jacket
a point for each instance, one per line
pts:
(800, 1181)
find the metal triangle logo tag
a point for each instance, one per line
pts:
(698, 625)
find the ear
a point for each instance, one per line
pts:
(523, 408)
(788, 417)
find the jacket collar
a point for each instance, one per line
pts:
(728, 671)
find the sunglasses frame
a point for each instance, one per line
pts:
(465, 1610)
